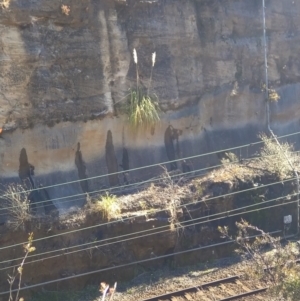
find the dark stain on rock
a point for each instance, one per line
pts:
(111, 160)
(26, 170)
(125, 159)
(26, 173)
(125, 165)
(34, 199)
(49, 207)
(172, 134)
(152, 130)
(186, 167)
(81, 168)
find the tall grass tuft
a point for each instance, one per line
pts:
(142, 108)
(109, 206)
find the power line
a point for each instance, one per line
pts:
(160, 210)
(155, 211)
(157, 164)
(220, 213)
(113, 188)
(152, 232)
(128, 264)
(268, 110)
(83, 274)
(152, 180)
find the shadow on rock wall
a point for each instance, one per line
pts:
(81, 169)
(111, 160)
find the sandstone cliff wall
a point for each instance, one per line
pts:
(61, 78)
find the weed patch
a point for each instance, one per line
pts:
(109, 206)
(142, 110)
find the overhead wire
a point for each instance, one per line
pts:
(157, 164)
(164, 256)
(190, 223)
(186, 175)
(129, 264)
(141, 261)
(176, 175)
(268, 111)
(154, 211)
(152, 180)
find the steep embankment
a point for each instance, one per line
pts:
(61, 77)
(160, 220)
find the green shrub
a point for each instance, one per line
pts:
(143, 110)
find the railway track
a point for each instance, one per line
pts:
(225, 289)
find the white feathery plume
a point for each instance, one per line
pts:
(135, 58)
(153, 58)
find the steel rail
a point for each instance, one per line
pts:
(192, 289)
(195, 289)
(238, 296)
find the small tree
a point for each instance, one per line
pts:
(269, 260)
(28, 248)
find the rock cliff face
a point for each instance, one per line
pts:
(63, 75)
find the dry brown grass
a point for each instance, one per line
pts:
(65, 9)
(173, 188)
(171, 191)
(18, 206)
(273, 157)
(271, 160)
(232, 171)
(273, 95)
